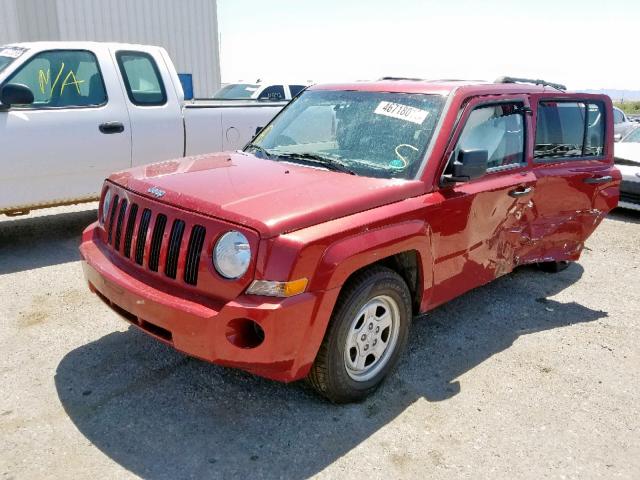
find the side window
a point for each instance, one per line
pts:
(569, 130)
(499, 129)
(274, 92)
(618, 116)
(62, 79)
(141, 79)
(296, 89)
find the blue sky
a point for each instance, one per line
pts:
(584, 44)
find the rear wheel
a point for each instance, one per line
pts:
(553, 267)
(366, 335)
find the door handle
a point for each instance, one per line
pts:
(520, 192)
(604, 179)
(111, 127)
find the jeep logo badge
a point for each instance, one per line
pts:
(156, 192)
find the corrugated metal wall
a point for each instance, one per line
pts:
(188, 29)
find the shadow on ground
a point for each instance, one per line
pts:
(162, 415)
(42, 241)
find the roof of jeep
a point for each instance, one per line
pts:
(437, 87)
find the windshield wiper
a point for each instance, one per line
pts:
(327, 162)
(258, 148)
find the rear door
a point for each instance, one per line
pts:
(155, 109)
(479, 225)
(576, 182)
(61, 147)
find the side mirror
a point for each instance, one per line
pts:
(469, 165)
(617, 137)
(15, 94)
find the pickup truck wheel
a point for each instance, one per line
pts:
(553, 267)
(366, 336)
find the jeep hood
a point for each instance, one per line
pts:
(272, 197)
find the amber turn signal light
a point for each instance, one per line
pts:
(277, 289)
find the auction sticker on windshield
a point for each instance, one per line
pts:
(403, 112)
(12, 52)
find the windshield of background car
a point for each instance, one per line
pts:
(236, 91)
(8, 54)
(633, 137)
(375, 134)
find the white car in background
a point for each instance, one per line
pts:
(259, 91)
(622, 124)
(627, 159)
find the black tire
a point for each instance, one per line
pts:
(554, 267)
(328, 375)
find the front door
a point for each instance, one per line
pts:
(61, 147)
(478, 226)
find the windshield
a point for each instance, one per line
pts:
(374, 134)
(236, 91)
(633, 137)
(8, 54)
(4, 61)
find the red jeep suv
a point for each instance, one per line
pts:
(359, 206)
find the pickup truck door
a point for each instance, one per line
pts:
(575, 176)
(478, 225)
(61, 147)
(154, 102)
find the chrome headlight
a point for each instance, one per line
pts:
(232, 255)
(106, 205)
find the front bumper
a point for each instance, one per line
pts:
(293, 327)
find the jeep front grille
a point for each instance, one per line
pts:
(131, 231)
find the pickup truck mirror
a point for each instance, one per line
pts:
(469, 165)
(15, 94)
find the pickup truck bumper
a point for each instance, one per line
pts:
(630, 187)
(283, 348)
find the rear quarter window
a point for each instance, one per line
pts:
(569, 130)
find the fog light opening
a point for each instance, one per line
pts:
(244, 333)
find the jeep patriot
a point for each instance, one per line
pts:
(359, 206)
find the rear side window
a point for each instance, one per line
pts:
(274, 92)
(62, 79)
(569, 130)
(142, 79)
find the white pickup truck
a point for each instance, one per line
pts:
(71, 113)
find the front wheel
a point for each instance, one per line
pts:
(367, 333)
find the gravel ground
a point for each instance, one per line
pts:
(534, 376)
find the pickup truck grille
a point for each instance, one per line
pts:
(630, 197)
(122, 222)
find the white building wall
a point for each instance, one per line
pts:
(188, 29)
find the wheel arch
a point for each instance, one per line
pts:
(404, 247)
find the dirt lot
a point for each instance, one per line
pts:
(534, 376)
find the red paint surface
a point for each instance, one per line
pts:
(324, 226)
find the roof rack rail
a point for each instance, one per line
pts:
(403, 78)
(557, 86)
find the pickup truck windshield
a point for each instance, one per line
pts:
(4, 61)
(375, 134)
(8, 54)
(236, 91)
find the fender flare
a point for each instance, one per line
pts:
(348, 255)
